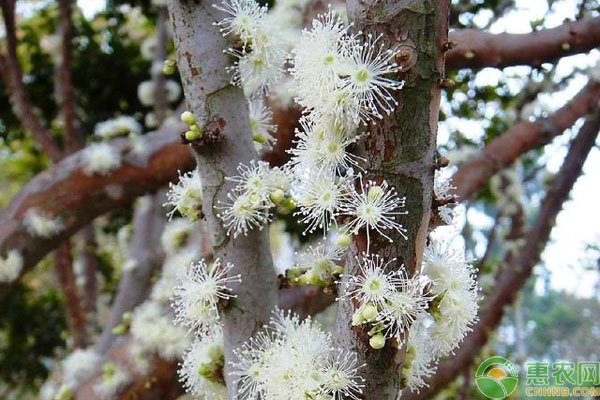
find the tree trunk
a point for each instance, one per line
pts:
(400, 149)
(214, 101)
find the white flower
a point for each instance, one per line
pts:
(148, 47)
(365, 79)
(244, 212)
(319, 200)
(10, 266)
(253, 179)
(38, 224)
(245, 17)
(186, 196)
(114, 379)
(374, 207)
(294, 359)
(319, 262)
(100, 158)
(202, 366)
(341, 377)
(153, 330)
(79, 366)
(373, 285)
(176, 234)
(120, 126)
(199, 290)
(421, 359)
(442, 185)
(261, 124)
(405, 305)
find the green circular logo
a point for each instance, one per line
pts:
(496, 378)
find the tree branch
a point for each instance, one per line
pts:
(87, 254)
(72, 136)
(63, 264)
(211, 97)
(64, 191)
(506, 148)
(512, 279)
(401, 150)
(478, 49)
(12, 75)
(146, 256)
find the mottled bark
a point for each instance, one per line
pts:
(479, 49)
(512, 279)
(146, 256)
(64, 191)
(212, 99)
(400, 149)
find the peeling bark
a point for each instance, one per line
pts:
(400, 149)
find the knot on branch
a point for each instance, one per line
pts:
(406, 56)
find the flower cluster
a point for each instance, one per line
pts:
(114, 378)
(101, 158)
(294, 359)
(186, 196)
(316, 265)
(258, 189)
(201, 287)
(79, 366)
(389, 300)
(39, 224)
(119, 126)
(436, 334)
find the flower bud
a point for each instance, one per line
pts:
(277, 196)
(205, 370)
(192, 135)
(377, 341)
(169, 67)
(289, 203)
(188, 118)
(369, 313)
(356, 319)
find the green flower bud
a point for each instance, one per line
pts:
(293, 273)
(119, 329)
(369, 313)
(303, 280)
(356, 319)
(193, 135)
(195, 128)
(277, 196)
(377, 341)
(169, 67)
(289, 203)
(188, 118)
(338, 270)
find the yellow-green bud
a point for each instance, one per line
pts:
(193, 135)
(169, 67)
(469, 54)
(344, 239)
(303, 280)
(119, 329)
(377, 341)
(127, 317)
(374, 193)
(195, 128)
(338, 270)
(369, 313)
(277, 196)
(293, 273)
(565, 46)
(289, 203)
(313, 278)
(188, 118)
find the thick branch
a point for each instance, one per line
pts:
(514, 278)
(212, 98)
(12, 75)
(506, 148)
(160, 95)
(145, 256)
(64, 191)
(401, 150)
(478, 49)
